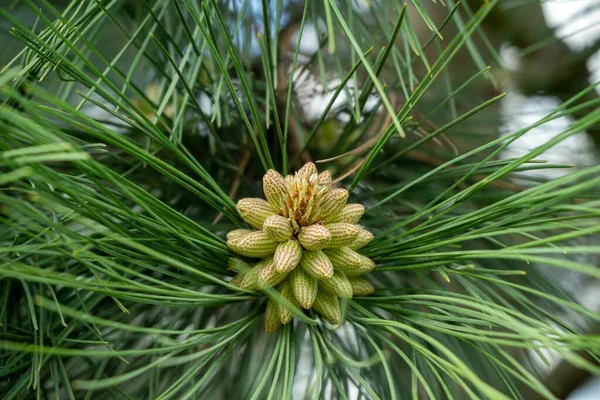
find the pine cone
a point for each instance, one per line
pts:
(306, 244)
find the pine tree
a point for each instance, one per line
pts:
(165, 233)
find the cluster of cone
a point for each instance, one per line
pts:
(306, 240)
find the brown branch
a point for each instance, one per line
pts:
(236, 182)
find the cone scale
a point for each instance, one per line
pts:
(304, 244)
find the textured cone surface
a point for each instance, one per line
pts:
(342, 234)
(307, 170)
(317, 264)
(337, 285)
(237, 280)
(254, 211)
(333, 203)
(344, 258)
(304, 287)
(256, 244)
(351, 213)
(328, 306)
(363, 238)
(237, 265)
(279, 228)
(285, 315)
(275, 188)
(314, 237)
(366, 265)
(272, 321)
(268, 274)
(325, 178)
(288, 255)
(289, 179)
(250, 280)
(360, 286)
(238, 233)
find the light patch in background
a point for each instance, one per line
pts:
(519, 111)
(306, 378)
(362, 6)
(588, 391)
(309, 44)
(311, 95)
(577, 23)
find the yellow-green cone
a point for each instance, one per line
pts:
(366, 265)
(238, 233)
(304, 287)
(337, 285)
(254, 211)
(333, 203)
(360, 286)
(275, 188)
(328, 306)
(285, 290)
(278, 228)
(268, 275)
(256, 244)
(307, 170)
(287, 255)
(342, 234)
(304, 244)
(344, 258)
(272, 321)
(237, 280)
(325, 178)
(351, 213)
(314, 237)
(250, 280)
(317, 264)
(363, 238)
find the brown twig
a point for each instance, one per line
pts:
(238, 177)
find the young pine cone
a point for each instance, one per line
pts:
(306, 242)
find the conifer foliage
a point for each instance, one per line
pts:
(161, 207)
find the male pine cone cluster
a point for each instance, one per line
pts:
(306, 240)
